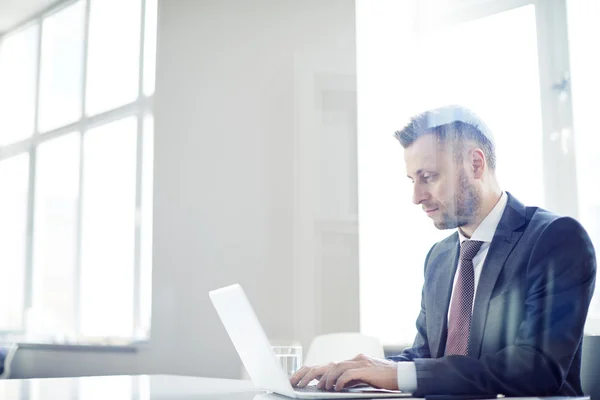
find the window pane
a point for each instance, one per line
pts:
(61, 67)
(150, 46)
(14, 177)
(18, 66)
(113, 54)
(55, 236)
(489, 65)
(585, 64)
(146, 227)
(108, 229)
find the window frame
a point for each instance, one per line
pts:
(140, 108)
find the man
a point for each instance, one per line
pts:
(505, 297)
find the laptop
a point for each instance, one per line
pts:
(253, 347)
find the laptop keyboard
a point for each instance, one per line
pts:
(309, 389)
(315, 389)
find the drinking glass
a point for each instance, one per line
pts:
(289, 358)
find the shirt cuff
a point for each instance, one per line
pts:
(407, 376)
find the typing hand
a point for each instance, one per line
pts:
(376, 372)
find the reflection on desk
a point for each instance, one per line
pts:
(148, 387)
(142, 387)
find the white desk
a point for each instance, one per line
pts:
(145, 387)
(142, 387)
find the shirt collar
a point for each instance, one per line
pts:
(486, 229)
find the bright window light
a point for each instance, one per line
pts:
(18, 61)
(481, 64)
(585, 64)
(55, 238)
(61, 67)
(14, 179)
(108, 229)
(113, 54)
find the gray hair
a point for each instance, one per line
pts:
(456, 125)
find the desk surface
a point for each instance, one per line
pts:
(142, 387)
(145, 387)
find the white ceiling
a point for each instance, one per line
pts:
(13, 12)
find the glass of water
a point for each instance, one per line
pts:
(289, 358)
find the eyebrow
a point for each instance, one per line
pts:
(419, 172)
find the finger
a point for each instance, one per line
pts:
(359, 357)
(313, 373)
(299, 375)
(336, 372)
(323, 379)
(350, 377)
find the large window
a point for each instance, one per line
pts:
(585, 64)
(509, 62)
(76, 156)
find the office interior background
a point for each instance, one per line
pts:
(153, 150)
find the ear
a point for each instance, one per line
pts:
(478, 163)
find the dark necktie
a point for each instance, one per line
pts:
(459, 321)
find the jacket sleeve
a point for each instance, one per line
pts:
(560, 280)
(420, 347)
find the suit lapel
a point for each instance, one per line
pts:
(505, 239)
(442, 292)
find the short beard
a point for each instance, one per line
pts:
(468, 204)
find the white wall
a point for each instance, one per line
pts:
(255, 182)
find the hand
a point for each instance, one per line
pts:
(376, 372)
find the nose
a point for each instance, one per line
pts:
(420, 194)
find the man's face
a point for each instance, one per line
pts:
(445, 189)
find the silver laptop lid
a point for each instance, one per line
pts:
(250, 339)
(253, 347)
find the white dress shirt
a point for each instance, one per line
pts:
(407, 372)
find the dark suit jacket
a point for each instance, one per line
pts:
(530, 308)
(3, 354)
